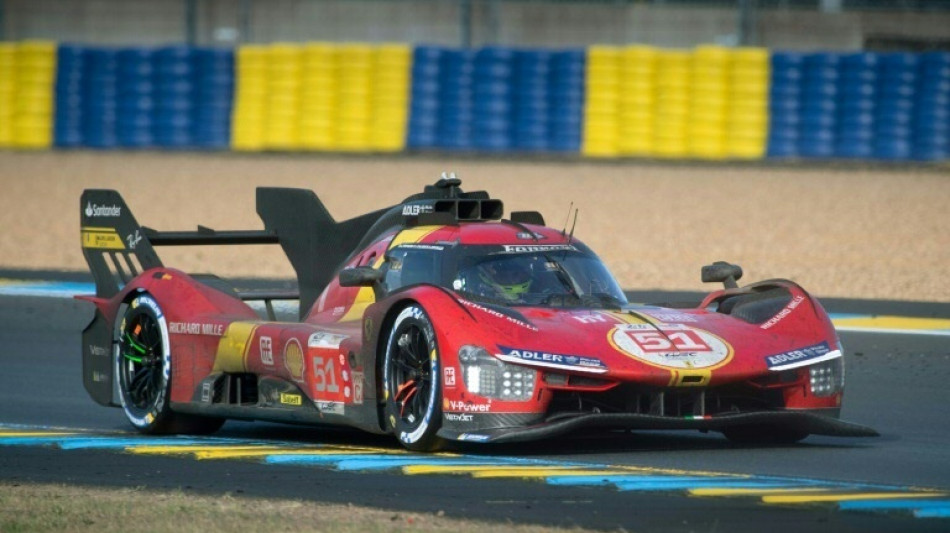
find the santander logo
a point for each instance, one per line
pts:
(92, 210)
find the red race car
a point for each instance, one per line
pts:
(437, 320)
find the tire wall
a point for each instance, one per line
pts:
(168, 97)
(322, 96)
(27, 74)
(708, 102)
(893, 106)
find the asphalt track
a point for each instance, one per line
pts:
(896, 382)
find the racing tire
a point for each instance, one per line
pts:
(143, 370)
(411, 381)
(763, 434)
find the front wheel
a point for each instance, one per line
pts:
(143, 371)
(411, 379)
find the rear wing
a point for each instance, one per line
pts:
(117, 248)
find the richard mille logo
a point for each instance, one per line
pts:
(93, 210)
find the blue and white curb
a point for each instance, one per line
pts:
(770, 490)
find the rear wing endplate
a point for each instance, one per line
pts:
(117, 248)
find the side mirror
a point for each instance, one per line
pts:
(722, 271)
(361, 276)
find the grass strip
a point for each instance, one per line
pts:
(55, 507)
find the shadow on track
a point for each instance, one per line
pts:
(591, 444)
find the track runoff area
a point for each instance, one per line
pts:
(768, 490)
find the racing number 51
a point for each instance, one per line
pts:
(320, 371)
(681, 340)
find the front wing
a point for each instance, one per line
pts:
(804, 421)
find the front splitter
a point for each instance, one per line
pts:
(799, 421)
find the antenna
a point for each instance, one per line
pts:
(567, 218)
(574, 225)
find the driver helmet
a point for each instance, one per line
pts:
(510, 279)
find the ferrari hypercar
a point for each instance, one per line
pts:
(439, 320)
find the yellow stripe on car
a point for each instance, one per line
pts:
(365, 296)
(233, 347)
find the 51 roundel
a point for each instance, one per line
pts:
(670, 345)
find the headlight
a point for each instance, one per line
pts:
(486, 376)
(827, 378)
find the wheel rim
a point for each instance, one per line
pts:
(140, 361)
(410, 381)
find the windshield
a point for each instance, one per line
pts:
(551, 276)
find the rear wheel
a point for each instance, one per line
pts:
(143, 367)
(763, 434)
(411, 379)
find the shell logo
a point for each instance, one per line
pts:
(293, 359)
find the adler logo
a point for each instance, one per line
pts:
(93, 210)
(416, 209)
